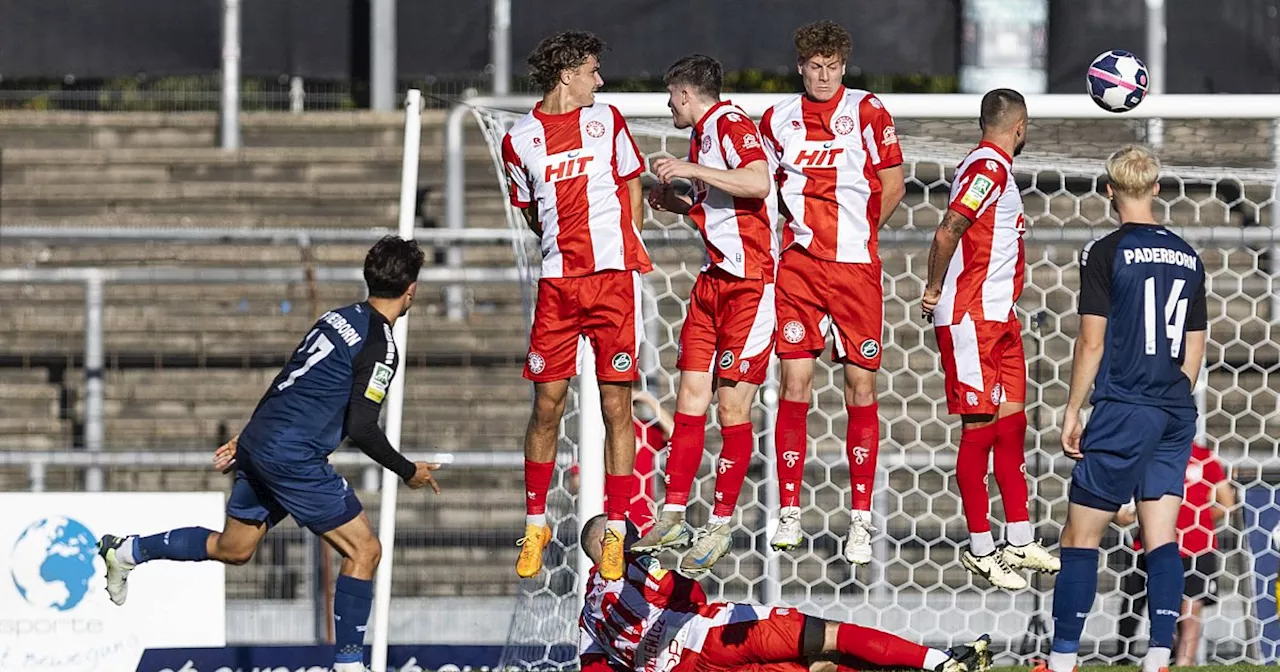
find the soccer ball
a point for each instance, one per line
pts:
(1117, 81)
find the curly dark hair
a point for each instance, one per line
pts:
(823, 38)
(560, 52)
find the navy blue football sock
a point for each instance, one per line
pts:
(185, 544)
(1073, 595)
(1164, 593)
(352, 601)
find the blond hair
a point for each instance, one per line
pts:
(1133, 171)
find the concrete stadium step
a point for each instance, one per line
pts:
(271, 164)
(106, 130)
(28, 400)
(34, 433)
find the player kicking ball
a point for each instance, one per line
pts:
(969, 298)
(839, 181)
(728, 333)
(574, 171)
(652, 619)
(333, 386)
(1141, 346)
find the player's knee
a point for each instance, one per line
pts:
(368, 554)
(731, 412)
(616, 410)
(547, 411)
(797, 387)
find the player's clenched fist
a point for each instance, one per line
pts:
(663, 198)
(667, 169)
(422, 477)
(1071, 431)
(929, 301)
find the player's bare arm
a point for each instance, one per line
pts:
(635, 192)
(531, 219)
(750, 181)
(663, 198)
(945, 241)
(1084, 368)
(224, 458)
(893, 186)
(1193, 354)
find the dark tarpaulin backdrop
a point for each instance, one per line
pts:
(1214, 45)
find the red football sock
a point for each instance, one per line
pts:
(731, 468)
(687, 443)
(791, 438)
(971, 475)
(618, 491)
(862, 448)
(879, 647)
(1011, 466)
(537, 480)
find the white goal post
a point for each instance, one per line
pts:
(1221, 154)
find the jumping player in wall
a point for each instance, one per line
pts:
(976, 266)
(333, 386)
(653, 619)
(1142, 338)
(574, 171)
(839, 180)
(727, 337)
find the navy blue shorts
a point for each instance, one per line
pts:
(1132, 451)
(311, 491)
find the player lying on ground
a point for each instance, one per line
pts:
(728, 334)
(969, 298)
(333, 386)
(840, 178)
(574, 170)
(1141, 346)
(653, 619)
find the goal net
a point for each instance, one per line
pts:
(915, 586)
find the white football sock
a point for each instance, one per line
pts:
(718, 520)
(1019, 533)
(1156, 658)
(539, 519)
(981, 543)
(1062, 662)
(125, 553)
(673, 508)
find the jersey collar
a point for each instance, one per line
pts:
(998, 150)
(698, 126)
(809, 104)
(564, 116)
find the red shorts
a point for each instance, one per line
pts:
(814, 293)
(602, 307)
(757, 639)
(984, 365)
(729, 328)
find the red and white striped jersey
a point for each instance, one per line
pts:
(829, 155)
(575, 167)
(637, 621)
(739, 232)
(985, 277)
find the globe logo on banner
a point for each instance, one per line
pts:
(53, 561)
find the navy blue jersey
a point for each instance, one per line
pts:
(1149, 284)
(346, 361)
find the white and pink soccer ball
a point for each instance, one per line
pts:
(1117, 81)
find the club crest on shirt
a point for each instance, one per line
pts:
(706, 144)
(595, 129)
(843, 125)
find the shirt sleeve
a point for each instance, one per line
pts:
(518, 179)
(373, 368)
(980, 186)
(771, 144)
(879, 135)
(740, 140)
(1096, 261)
(1198, 316)
(625, 152)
